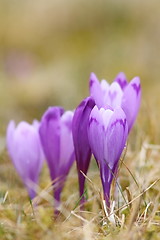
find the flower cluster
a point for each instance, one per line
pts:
(100, 126)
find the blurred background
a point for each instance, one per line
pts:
(48, 49)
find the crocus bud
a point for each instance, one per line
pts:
(119, 94)
(107, 133)
(24, 147)
(56, 138)
(80, 139)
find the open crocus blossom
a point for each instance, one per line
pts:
(80, 139)
(56, 138)
(24, 147)
(107, 133)
(119, 94)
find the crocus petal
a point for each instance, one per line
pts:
(104, 86)
(95, 90)
(131, 101)
(80, 139)
(24, 147)
(28, 137)
(107, 134)
(96, 133)
(115, 135)
(121, 80)
(114, 95)
(66, 142)
(50, 137)
(36, 124)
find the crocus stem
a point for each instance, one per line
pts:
(81, 188)
(31, 192)
(106, 186)
(107, 199)
(57, 197)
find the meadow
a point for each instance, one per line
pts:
(47, 51)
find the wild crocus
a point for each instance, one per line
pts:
(56, 138)
(119, 93)
(80, 139)
(24, 147)
(107, 133)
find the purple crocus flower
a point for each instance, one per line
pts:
(119, 94)
(56, 138)
(80, 139)
(107, 133)
(24, 147)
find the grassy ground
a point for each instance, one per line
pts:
(136, 214)
(46, 59)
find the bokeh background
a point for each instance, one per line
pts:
(48, 49)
